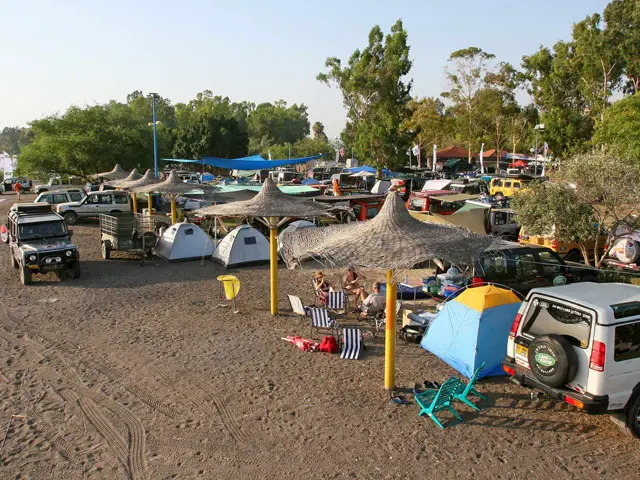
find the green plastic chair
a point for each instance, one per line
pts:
(433, 401)
(469, 389)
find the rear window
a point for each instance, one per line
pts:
(627, 344)
(121, 199)
(417, 203)
(547, 317)
(625, 310)
(75, 196)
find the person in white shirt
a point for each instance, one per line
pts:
(373, 303)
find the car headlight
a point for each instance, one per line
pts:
(48, 260)
(68, 253)
(32, 258)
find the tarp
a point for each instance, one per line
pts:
(458, 197)
(473, 220)
(254, 162)
(474, 328)
(436, 185)
(452, 162)
(365, 168)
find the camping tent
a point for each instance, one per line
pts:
(473, 328)
(381, 186)
(184, 241)
(244, 245)
(292, 227)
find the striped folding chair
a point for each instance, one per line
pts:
(381, 321)
(352, 343)
(320, 319)
(337, 301)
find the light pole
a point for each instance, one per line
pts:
(155, 134)
(539, 126)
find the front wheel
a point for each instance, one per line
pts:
(633, 418)
(25, 276)
(75, 270)
(71, 218)
(105, 250)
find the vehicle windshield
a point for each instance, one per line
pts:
(30, 231)
(417, 204)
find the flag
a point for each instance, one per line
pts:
(342, 152)
(434, 158)
(415, 150)
(482, 159)
(269, 152)
(545, 149)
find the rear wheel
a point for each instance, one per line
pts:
(633, 417)
(71, 218)
(114, 212)
(25, 276)
(552, 360)
(105, 250)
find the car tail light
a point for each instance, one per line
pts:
(554, 244)
(598, 353)
(515, 325)
(509, 370)
(477, 281)
(573, 401)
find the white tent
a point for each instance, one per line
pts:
(381, 186)
(441, 184)
(292, 227)
(184, 241)
(244, 245)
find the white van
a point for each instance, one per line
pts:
(94, 204)
(580, 343)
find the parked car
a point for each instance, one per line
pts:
(58, 183)
(60, 196)
(7, 184)
(569, 251)
(524, 267)
(39, 242)
(93, 205)
(473, 187)
(508, 186)
(502, 222)
(581, 344)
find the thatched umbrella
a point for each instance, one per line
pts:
(118, 173)
(392, 240)
(171, 187)
(147, 179)
(134, 175)
(272, 207)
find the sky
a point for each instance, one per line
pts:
(55, 54)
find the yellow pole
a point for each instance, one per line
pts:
(273, 247)
(174, 210)
(390, 334)
(150, 205)
(135, 203)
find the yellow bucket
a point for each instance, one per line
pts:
(231, 285)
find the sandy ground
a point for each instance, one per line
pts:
(132, 372)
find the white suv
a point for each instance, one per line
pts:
(580, 343)
(94, 204)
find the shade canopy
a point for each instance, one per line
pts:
(171, 186)
(132, 177)
(393, 239)
(118, 173)
(519, 164)
(253, 162)
(269, 202)
(366, 168)
(147, 179)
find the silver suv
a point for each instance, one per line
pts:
(60, 196)
(94, 204)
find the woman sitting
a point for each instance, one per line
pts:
(321, 286)
(352, 284)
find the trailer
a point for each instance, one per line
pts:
(127, 232)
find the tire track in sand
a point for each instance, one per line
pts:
(199, 397)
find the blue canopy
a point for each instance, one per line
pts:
(365, 168)
(310, 181)
(254, 162)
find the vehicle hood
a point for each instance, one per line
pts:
(69, 204)
(46, 245)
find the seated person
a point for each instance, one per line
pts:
(321, 286)
(351, 283)
(374, 303)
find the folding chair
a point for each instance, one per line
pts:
(337, 301)
(352, 343)
(297, 306)
(320, 319)
(381, 320)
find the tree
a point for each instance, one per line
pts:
(275, 123)
(12, 139)
(375, 95)
(622, 18)
(467, 78)
(620, 130)
(427, 123)
(318, 132)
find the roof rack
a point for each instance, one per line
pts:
(31, 208)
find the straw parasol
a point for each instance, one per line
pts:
(147, 179)
(271, 206)
(393, 240)
(134, 175)
(118, 173)
(172, 187)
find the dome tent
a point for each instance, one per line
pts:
(184, 241)
(243, 246)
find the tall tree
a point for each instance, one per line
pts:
(466, 74)
(620, 130)
(375, 94)
(276, 123)
(427, 123)
(318, 132)
(12, 139)
(622, 18)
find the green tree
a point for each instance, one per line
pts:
(376, 95)
(427, 123)
(466, 74)
(275, 123)
(622, 18)
(12, 139)
(620, 130)
(318, 132)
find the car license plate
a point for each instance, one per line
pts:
(522, 355)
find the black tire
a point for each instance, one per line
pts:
(4, 233)
(14, 263)
(149, 239)
(105, 249)
(112, 212)
(553, 360)
(75, 270)
(25, 276)
(632, 414)
(71, 218)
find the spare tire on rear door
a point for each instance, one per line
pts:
(552, 360)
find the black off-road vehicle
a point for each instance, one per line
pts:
(39, 242)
